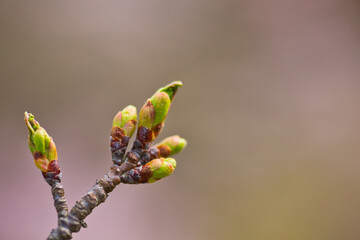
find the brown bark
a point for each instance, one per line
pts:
(95, 196)
(57, 190)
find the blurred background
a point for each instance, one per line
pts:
(270, 107)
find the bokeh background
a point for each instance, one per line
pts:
(270, 107)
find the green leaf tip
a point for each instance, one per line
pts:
(31, 123)
(171, 89)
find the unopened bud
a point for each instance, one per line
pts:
(123, 127)
(42, 148)
(161, 102)
(151, 172)
(126, 119)
(162, 168)
(153, 114)
(170, 146)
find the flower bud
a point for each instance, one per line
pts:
(129, 120)
(161, 102)
(170, 146)
(42, 148)
(153, 114)
(126, 119)
(162, 168)
(151, 172)
(123, 127)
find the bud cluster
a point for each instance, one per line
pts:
(152, 162)
(143, 163)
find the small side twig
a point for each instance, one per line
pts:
(95, 196)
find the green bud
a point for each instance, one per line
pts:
(147, 115)
(162, 99)
(41, 138)
(126, 120)
(171, 145)
(40, 143)
(123, 127)
(161, 103)
(153, 114)
(161, 168)
(151, 172)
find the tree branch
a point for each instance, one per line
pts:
(96, 195)
(58, 193)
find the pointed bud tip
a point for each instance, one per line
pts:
(175, 83)
(171, 89)
(31, 123)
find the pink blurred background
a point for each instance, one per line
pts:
(269, 106)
